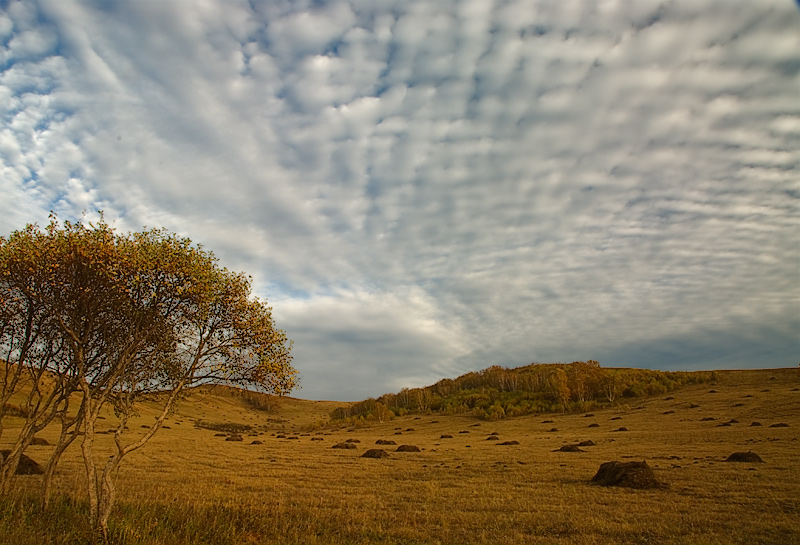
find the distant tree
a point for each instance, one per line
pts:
(121, 317)
(382, 412)
(560, 386)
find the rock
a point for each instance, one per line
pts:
(385, 442)
(234, 437)
(408, 448)
(569, 448)
(628, 474)
(26, 466)
(747, 457)
(344, 445)
(375, 453)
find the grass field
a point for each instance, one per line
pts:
(189, 485)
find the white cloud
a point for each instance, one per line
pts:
(425, 188)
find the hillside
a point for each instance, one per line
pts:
(472, 481)
(499, 392)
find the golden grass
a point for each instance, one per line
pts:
(189, 486)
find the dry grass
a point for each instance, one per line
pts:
(189, 486)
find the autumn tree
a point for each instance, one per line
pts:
(138, 314)
(559, 384)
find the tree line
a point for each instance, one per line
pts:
(498, 392)
(93, 320)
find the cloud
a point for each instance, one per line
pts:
(426, 188)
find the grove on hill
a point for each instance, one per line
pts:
(498, 392)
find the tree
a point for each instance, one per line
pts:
(127, 316)
(560, 386)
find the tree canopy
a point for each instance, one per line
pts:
(93, 317)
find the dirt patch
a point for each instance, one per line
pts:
(27, 466)
(375, 453)
(408, 448)
(628, 474)
(747, 457)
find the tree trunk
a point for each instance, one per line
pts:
(8, 467)
(64, 440)
(87, 449)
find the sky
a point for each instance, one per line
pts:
(423, 188)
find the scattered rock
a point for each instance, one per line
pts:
(375, 453)
(621, 428)
(505, 443)
(410, 429)
(26, 466)
(465, 431)
(408, 448)
(712, 391)
(779, 425)
(385, 442)
(569, 448)
(733, 421)
(446, 436)
(738, 404)
(553, 430)
(748, 457)
(353, 441)
(752, 424)
(594, 425)
(220, 435)
(587, 443)
(617, 418)
(256, 442)
(669, 412)
(234, 437)
(670, 398)
(693, 405)
(494, 433)
(547, 421)
(492, 438)
(344, 445)
(627, 474)
(588, 415)
(707, 419)
(317, 439)
(280, 436)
